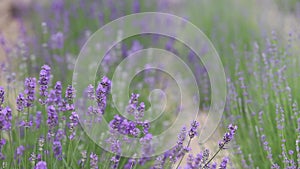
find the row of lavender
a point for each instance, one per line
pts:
(263, 82)
(43, 131)
(263, 98)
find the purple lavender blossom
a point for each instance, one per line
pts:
(74, 120)
(19, 152)
(193, 129)
(91, 92)
(52, 120)
(101, 94)
(2, 143)
(5, 119)
(41, 165)
(57, 40)
(30, 84)
(133, 105)
(115, 161)
(58, 92)
(70, 93)
(20, 102)
(178, 150)
(228, 136)
(224, 162)
(2, 92)
(44, 80)
(129, 165)
(38, 119)
(57, 150)
(93, 161)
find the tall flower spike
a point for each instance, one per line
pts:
(101, 94)
(41, 165)
(93, 161)
(5, 119)
(20, 102)
(2, 92)
(228, 136)
(70, 93)
(44, 80)
(30, 84)
(193, 129)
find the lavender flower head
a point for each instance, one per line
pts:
(193, 130)
(5, 119)
(57, 149)
(223, 164)
(52, 120)
(44, 80)
(2, 92)
(70, 93)
(30, 84)
(101, 93)
(93, 161)
(41, 165)
(20, 102)
(228, 136)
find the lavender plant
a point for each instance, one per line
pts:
(43, 131)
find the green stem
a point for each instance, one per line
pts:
(221, 148)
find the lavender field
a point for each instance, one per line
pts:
(149, 84)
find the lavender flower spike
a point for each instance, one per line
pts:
(228, 136)
(93, 161)
(44, 80)
(30, 84)
(41, 165)
(2, 92)
(101, 93)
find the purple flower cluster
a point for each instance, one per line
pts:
(102, 91)
(5, 119)
(44, 80)
(52, 120)
(57, 150)
(74, 120)
(134, 108)
(2, 143)
(2, 92)
(228, 136)
(30, 84)
(93, 161)
(41, 165)
(193, 131)
(20, 102)
(124, 126)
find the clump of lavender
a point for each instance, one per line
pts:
(55, 143)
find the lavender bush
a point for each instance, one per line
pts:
(42, 130)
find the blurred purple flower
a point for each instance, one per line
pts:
(93, 161)
(41, 165)
(5, 119)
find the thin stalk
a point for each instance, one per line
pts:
(183, 154)
(221, 148)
